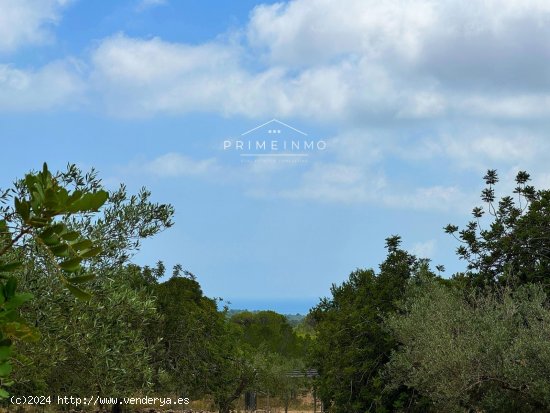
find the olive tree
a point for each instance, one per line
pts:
(479, 352)
(34, 221)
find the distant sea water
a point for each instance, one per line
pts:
(279, 305)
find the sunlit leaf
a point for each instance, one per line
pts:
(71, 265)
(78, 293)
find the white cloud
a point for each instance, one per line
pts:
(335, 182)
(341, 184)
(150, 76)
(481, 148)
(463, 85)
(355, 62)
(27, 22)
(54, 85)
(370, 166)
(518, 106)
(424, 249)
(304, 33)
(445, 37)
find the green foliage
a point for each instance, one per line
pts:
(38, 201)
(352, 344)
(102, 347)
(204, 354)
(399, 339)
(305, 328)
(273, 350)
(273, 376)
(235, 371)
(192, 331)
(271, 331)
(511, 246)
(484, 352)
(109, 345)
(134, 334)
(125, 221)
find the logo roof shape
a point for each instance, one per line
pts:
(273, 121)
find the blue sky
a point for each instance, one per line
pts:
(414, 100)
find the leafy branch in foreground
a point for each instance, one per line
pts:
(40, 204)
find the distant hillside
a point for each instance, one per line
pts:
(293, 319)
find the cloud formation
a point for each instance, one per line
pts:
(24, 22)
(356, 59)
(447, 84)
(57, 84)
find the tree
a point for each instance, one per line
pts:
(104, 348)
(192, 329)
(514, 247)
(270, 331)
(483, 352)
(275, 350)
(352, 344)
(126, 220)
(275, 376)
(38, 202)
(233, 374)
(106, 345)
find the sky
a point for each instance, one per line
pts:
(404, 105)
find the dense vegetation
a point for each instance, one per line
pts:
(77, 317)
(89, 322)
(411, 341)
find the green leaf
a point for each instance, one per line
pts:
(47, 233)
(82, 245)
(81, 279)
(38, 222)
(10, 287)
(8, 315)
(21, 331)
(23, 209)
(5, 352)
(71, 265)
(61, 250)
(52, 241)
(78, 293)
(70, 236)
(92, 252)
(5, 369)
(18, 300)
(58, 228)
(10, 266)
(4, 394)
(51, 202)
(76, 195)
(89, 202)
(29, 181)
